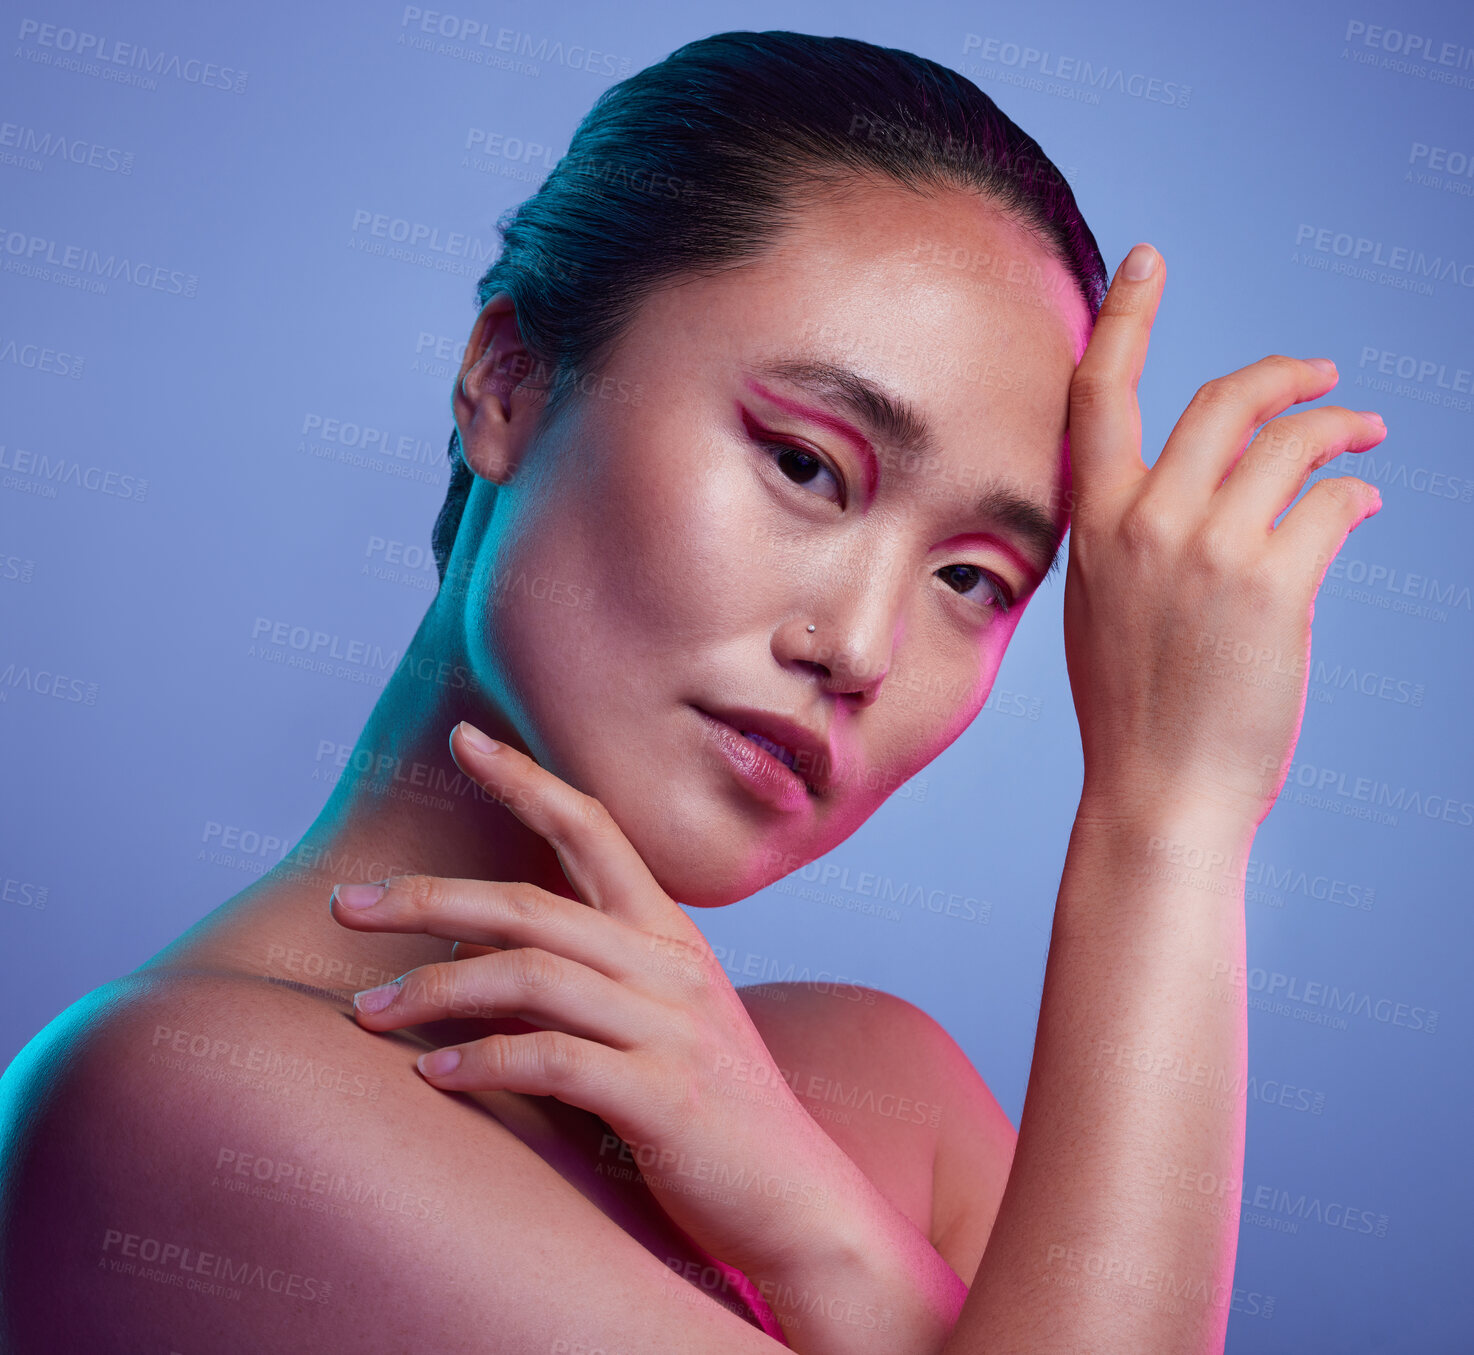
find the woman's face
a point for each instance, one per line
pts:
(806, 440)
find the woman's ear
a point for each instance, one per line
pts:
(493, 410)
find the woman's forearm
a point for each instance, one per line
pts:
(870, 1283)
(1119, 1224)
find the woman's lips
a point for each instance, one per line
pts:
(764, 774)
(784, 755)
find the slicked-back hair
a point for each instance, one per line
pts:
(695, 164)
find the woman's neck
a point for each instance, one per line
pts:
(400, 806)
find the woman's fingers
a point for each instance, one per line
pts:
(532, 985)
(1286, 452)
(466, 950)
(1218, 422)
(542, 1063)
(1313, 531)
(1105, 419)
(494, 913)
(600, 862)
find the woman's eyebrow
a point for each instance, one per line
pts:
(1027, 520)
(887, 418)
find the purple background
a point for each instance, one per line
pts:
(165, 488)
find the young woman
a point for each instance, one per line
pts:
(780, 398)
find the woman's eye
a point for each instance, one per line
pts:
(802, 466)
(965, 579)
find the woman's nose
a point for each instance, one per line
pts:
(855, 630)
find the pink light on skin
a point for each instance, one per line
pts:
(835, 424)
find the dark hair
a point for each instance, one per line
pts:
(692, 165)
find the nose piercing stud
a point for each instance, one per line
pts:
(811, 627)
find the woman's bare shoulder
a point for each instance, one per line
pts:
(855, 1058)
(206, 1161)
(899, 1095)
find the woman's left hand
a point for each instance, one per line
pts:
(638, 1023)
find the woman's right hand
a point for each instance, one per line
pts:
(1186, 611)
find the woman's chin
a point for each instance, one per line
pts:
(709, 882)
(702, 873)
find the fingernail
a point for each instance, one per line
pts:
(1373, 418)
(482, 743)
(438, 1062)
(1323, 364)
(1140, 264)
(360, 896)
(376, 999)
